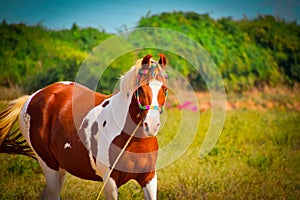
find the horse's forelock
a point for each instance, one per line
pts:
(128, 82)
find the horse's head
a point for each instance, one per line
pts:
(151, 93)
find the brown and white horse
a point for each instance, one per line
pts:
(70, 128)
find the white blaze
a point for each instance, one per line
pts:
(151, 123)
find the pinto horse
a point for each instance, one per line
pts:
(70, 128)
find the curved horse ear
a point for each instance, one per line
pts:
(162, 61)
(146, 61)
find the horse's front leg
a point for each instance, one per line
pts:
(111, 189)
(150, 190)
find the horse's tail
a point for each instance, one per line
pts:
(11, 139)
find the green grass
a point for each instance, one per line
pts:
(256, 157)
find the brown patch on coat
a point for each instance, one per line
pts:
(94, 146)
(57, 112)
(139, 160)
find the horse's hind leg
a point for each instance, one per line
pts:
(53, 178)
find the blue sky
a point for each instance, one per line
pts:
(111, 15)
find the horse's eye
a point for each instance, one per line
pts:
(165, 89)
(140, 89)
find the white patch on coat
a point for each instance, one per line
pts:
(24, 120)
(114, 114)
(66, 82)
(67, 145)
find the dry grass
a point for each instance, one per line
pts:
(256, 157)
(283, 98)
(10, 93)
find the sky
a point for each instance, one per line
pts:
(114, 15)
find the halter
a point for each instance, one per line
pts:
(148, 107)
(144, 72)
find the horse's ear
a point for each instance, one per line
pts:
(162, 61)
(146, 61)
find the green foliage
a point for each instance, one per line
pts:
(33, 56)
(65, 72)
(83, 38)
(281, 38)
(248, 53)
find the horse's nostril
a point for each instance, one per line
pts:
(158, 125)
(146, 126)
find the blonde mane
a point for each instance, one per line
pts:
(128, 80)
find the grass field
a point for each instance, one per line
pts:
(256, 157)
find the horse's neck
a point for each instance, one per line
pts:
(120, 107)
(125, 114)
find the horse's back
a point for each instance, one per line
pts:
(56, 113)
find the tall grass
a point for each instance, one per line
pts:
(256, 157)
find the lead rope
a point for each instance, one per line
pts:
(117, 159)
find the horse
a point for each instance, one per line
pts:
(70, 128)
